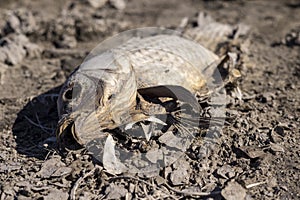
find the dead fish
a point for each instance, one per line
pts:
(109, 90)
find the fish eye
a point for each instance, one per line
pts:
(72, 93)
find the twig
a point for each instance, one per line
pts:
(255, 184)
(146, 192)
(77, 183)
(39, 125)
(49, 152)
(186, 193)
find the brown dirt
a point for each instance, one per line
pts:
(257, 156)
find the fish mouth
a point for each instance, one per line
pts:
(66, 135)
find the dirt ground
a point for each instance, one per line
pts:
(257, 153)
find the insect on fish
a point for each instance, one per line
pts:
(113, 89)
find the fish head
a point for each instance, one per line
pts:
(96, 96)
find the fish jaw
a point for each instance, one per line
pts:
(66, 135)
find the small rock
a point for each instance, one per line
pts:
(33, 50)
(276, 147)
(28, 23)
(233, 191)
(226, 172)
(181, 171)
(285, 188)
(66, 41)
(181, 163)
(118, 4)
(292, 38)
(14, 52)
(62, 172)
(14, 48)
(171, 140)
(97, 3)
(49, 167)
(171, 156)
(59, 27)
(20, 21)
(114, 191)
(272, 182)
(89, 29)
(269, 96)
(179, 176)
(159, 180)
(261, 99)
(252, 151)
(13, 23)
(153, 155)
(87, 195)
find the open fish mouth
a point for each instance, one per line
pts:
(66, 135)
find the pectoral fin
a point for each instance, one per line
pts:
(172, 91)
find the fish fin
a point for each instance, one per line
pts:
(172, 91)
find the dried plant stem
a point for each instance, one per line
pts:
(78, 182)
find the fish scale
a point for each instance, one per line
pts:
(167, 60)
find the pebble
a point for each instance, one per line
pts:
(62, 171)
(276, 147)
(114, 191)
(292, 38)
(14, 48)
(159, 180)
(49, 167)
(226, 172)
(153, 155)
(13, 23)
(233, 191)
(118, 4)
(66, 42)
(179, 176)
(13, 51)
(20, 21)
(97, 3)
(170, 140)
(252, 151)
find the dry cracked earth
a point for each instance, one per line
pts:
(255, 156)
